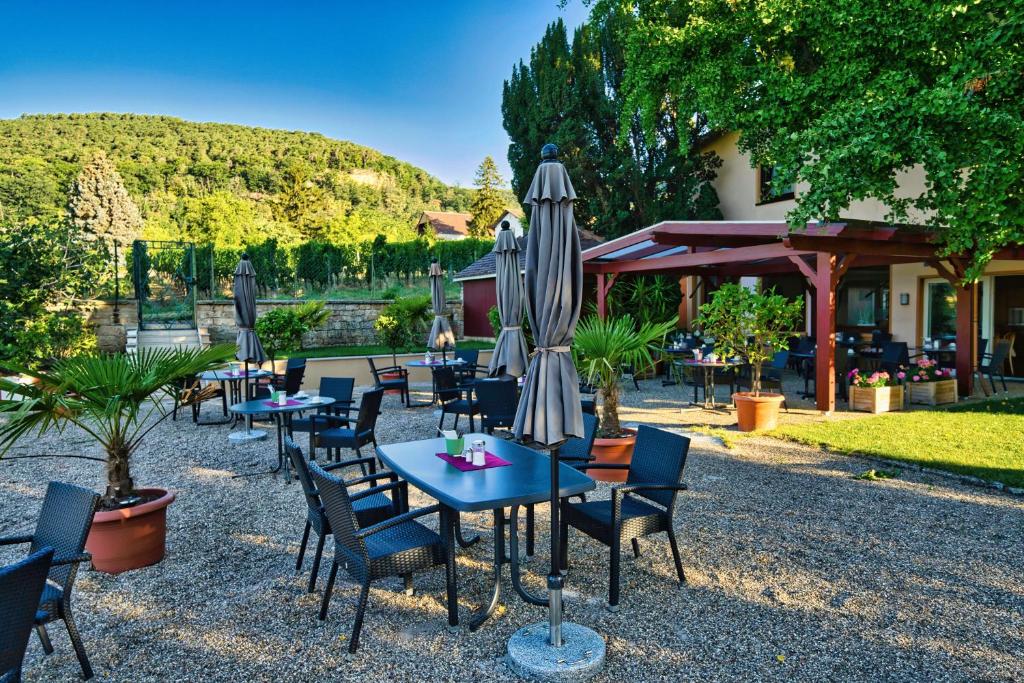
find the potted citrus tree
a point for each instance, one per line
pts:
(752, 326)
(115, 400)
(927, 383)
(876, 393)
(602, 348)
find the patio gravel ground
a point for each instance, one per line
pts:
(796, 571)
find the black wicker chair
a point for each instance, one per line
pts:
(290, 382)
(399, 383)
(338, 388)
(895, 355)
(355, 433)
(588, 398)
(467, 372)
(991, 366)
(497, 400)
(655, 475)
(369, 510)
(454, 400)
(63, 525)
(576, 451)
(21, 584)
(399, 546)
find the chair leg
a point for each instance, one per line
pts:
(316, 563)
(44, 639)
(613, 580)
(328, 590)
(675, 556)
(530, 530)
(563, 549)
(364, 595)
(302, 546)
(76, 642)
(636, 547)
(440, 423)
(472, 425)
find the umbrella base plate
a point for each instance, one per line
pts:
(580, 657)
(245, 437)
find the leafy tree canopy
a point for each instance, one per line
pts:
(844, 96)
(489, 202)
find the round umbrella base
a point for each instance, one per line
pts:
(246, 437)
(580, 657)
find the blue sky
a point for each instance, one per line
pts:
(418, 80)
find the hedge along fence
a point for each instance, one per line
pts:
(321, 264)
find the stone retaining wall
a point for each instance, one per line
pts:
(110, 336)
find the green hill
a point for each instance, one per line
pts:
(219, 182)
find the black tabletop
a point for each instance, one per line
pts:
(526, 480)
(261, 406)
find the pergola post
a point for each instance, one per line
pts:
(603, 285)
(824, 332)
(966, 323)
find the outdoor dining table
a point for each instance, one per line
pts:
(669, 354)
(282, 416)
(231, 381)
(709, 368)
(433, 365)
(526, 479)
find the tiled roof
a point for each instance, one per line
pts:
(447, 222)
(484, 266)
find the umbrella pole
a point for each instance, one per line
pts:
(245, 383)
(555, 579)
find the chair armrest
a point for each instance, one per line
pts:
(372, 478)
(393, 368)
(71, 559)
(397, 485)
(608, 466)
(633, 488)
(367, 460)
(330, 419)
(396, 520)
(10, 540)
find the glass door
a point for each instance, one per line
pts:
(940, 310)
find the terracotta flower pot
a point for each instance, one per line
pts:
(613, 451)
(130, 538)
(391, 375)
(756, 413)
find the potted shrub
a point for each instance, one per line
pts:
(875, 393)
(115, 400)
(601, 349)
(927, 383)
(280, 329)
(751, 326)
(392, 333)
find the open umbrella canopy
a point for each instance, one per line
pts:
(249, 348)
(440, 335)
(549, 410)
(510, 349)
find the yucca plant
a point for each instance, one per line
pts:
(603, 347)
(114, 398)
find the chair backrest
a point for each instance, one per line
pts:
(293, 377)
(63, 524)
(294, 363)
(469, 355)
(879, 338)
(805, 345)
(658, 458)
(982, 346)
(373, 371)
(302, 472)
(342, 518)
(497, 401)
(338, 388)
(446, 385)
(578, 448)
(780, 360)
(895, 352)
(21, 584)
(369, 409)
(999, 355)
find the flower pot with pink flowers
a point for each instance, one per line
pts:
(929, 384)
(876, 393)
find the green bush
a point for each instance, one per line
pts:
(415, 313)
(50, 337)
(280, 329)
(391, 332)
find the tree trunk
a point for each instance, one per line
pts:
(610, 409)
(755, 379)
(119, 480)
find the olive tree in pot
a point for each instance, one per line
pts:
(115, 400)
(751, 325)
(602, 348)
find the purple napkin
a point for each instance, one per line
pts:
(275, 404)
(490, 460)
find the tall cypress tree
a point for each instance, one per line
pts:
(488, 202)
(627, 175)
(100, 206)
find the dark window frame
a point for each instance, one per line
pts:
(764, 187)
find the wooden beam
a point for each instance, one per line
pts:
(604, 283)
(804, 268)
(842, 245)
(617, 244)
(825, 333)
(965, 338)
(704, 258)
(945, 272)
(842, 267)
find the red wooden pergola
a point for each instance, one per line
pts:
(821, 253)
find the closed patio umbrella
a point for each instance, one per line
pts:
(510, 348)
(549, 409)
(248, 348)
(440, 336)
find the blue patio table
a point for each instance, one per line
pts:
(709, 368)
(526, 480)
(433, 365)
(233, 380)
(282, 416)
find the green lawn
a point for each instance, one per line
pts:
(373, 350)
(984, 439)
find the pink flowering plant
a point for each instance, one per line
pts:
(928, 370)
(874, 380)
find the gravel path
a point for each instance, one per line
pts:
(796, 572)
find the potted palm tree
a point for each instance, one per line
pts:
(116, 400)
(601, 349)
(751, 326)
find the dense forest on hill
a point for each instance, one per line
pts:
(219, 183)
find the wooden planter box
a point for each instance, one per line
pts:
(876, 399)
(932, 393)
